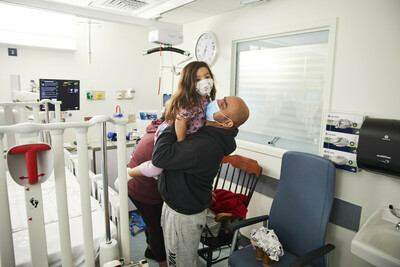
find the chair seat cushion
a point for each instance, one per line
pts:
(247, 257)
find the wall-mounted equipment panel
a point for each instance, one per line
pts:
(379, 146)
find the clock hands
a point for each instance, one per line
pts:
(204, 52)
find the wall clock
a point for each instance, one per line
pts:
(206, 48)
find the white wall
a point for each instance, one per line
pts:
(117, 64)
(365, 81)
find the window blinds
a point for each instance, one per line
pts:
(283, 87)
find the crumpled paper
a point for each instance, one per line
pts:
(267, 240)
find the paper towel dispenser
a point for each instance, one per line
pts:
(379, 146)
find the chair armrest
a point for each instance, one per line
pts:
(309, 257)
(225, 216)
(246, 222)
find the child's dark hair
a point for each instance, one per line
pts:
(187, 97)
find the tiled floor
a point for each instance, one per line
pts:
(138, 246)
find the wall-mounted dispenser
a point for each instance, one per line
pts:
(379, 146)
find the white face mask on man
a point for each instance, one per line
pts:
(204, 86)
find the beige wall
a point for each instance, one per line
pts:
(365, 80)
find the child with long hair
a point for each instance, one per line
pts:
(187, 108)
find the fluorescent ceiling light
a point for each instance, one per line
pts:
(164, 8)
(248, 2)
(29, 39)
(97, 13)
(32, 27)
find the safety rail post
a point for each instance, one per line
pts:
(104, 173)
(35, 111)
(35, 216)
(123, 191)
(61, 197)
(6, 244)
(57, 110)
(84, 182)
(22, 113)
(9, 119)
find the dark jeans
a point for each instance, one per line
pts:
(151, 215)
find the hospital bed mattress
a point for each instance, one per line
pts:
(19, 222)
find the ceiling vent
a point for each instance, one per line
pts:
(127, 6)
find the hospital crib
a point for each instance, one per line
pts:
(28, 133)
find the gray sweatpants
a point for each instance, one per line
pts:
(182, 236)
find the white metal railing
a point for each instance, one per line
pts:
(28, 134)
(21, 107)
(35, 108)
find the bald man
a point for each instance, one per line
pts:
(189, 170)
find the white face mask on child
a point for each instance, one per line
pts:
(204, 86)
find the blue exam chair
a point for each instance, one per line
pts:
(299, 213)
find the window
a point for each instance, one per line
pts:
(283, 81)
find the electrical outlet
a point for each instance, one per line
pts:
(95, 95)
(89, 95)
(129, 93)
(99, 95)
(119, 95)
(122, 95)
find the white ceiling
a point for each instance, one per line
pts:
(200, 10)
(194, 11)
(191, 12)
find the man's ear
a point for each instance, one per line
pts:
(228, 123)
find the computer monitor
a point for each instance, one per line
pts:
(66, 91)
(166, 97)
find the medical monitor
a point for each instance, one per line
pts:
(166, 97)
(66, 91)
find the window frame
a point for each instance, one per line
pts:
(323, 24)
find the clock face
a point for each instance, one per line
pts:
(206, 48)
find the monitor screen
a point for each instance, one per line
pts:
(66, 91)
(166, 97)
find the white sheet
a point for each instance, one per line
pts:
(20, 231)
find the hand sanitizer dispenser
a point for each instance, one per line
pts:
(379, 146)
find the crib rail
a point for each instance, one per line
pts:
(28, 134)
(96, 183)
(8, 106)
(8, 119)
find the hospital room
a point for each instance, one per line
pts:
(200, 133)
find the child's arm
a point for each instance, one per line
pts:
(134, 172)
(180, 128)
(144, 169)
